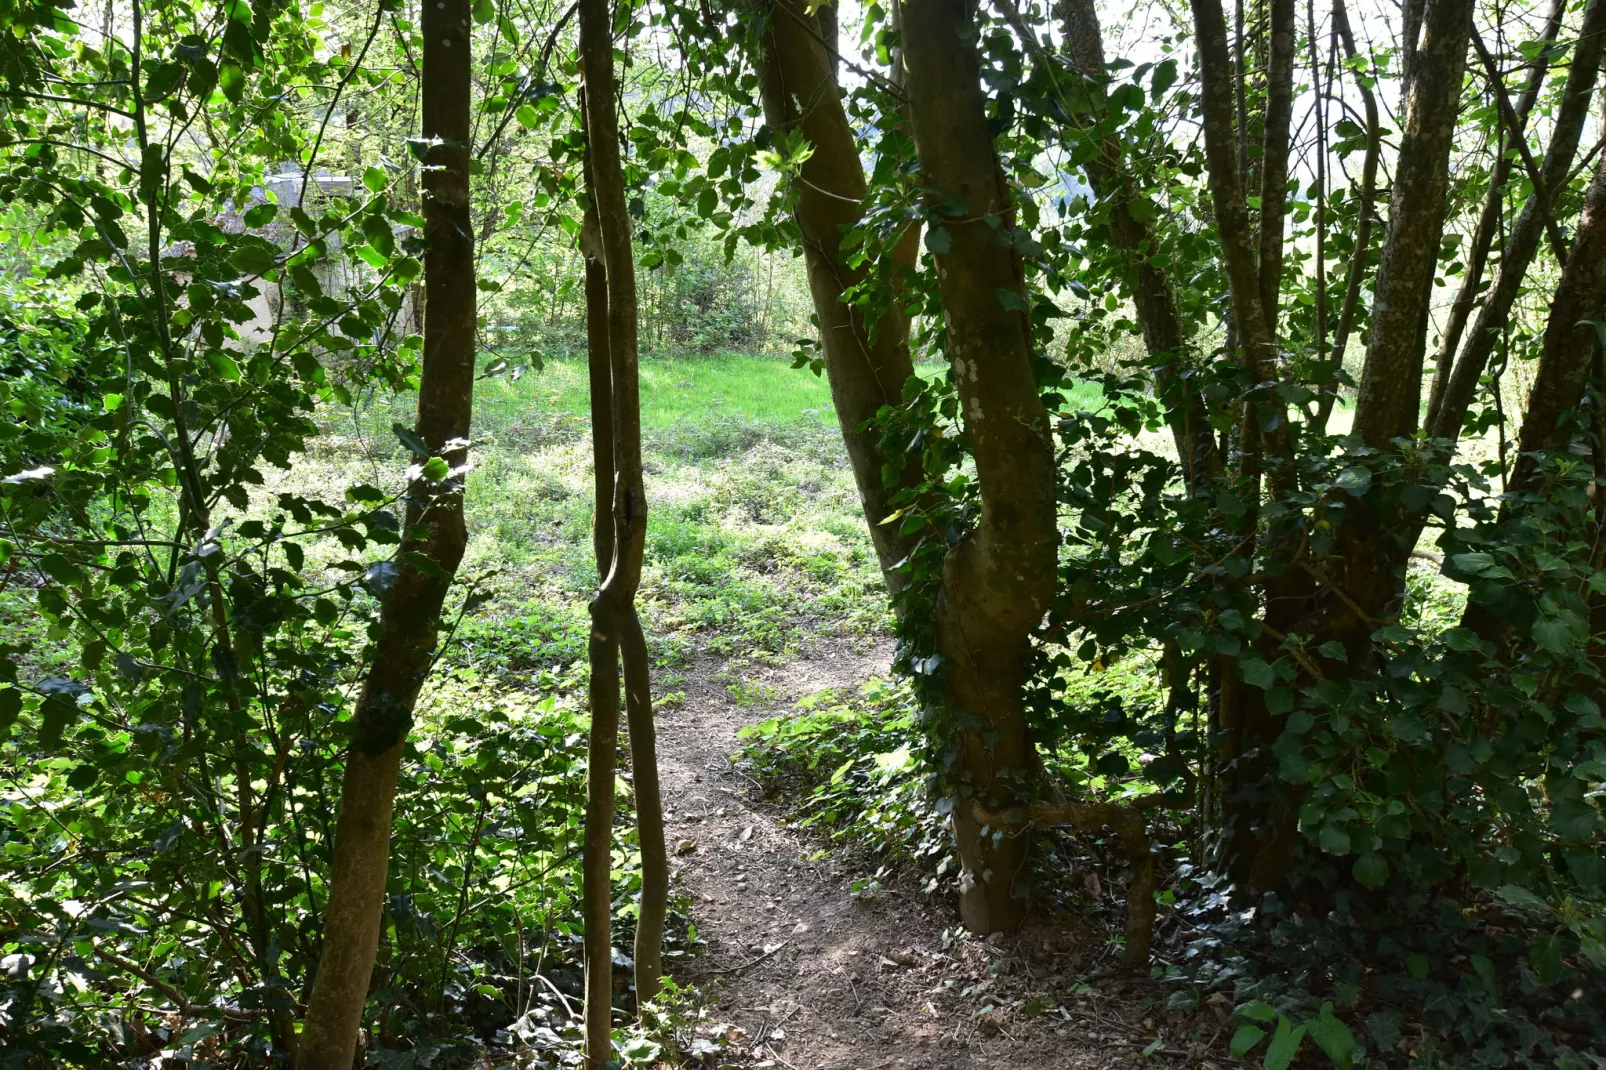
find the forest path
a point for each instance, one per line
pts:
(816, 979)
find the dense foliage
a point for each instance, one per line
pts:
(1347, 666)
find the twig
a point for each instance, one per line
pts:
(199, 1010)
(753, 962)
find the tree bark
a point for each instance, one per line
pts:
(1389, 400)
(1518, 253)
(616, 630)
(1489, 218)
(427, 560)
(1570, 340)
(1274, 155)
(866, 364)
(999, 577)
(1164, 336)
(1366, 210)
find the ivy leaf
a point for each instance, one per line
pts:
(1244, 1040)
(1335, 839)
(1255, 671)
(1574, 819)
(1334, 1038)
(1284, 1045)
(1371, 869)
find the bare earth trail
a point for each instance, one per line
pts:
(813, 978)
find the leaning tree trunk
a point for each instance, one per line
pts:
(997, 579)
(867, 363)
(428, 558)
(1153, 294)
(616, 629)
(1452, 401)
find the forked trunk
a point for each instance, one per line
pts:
(435, 535)
(615, 628)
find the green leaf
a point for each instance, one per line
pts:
(1335, 839)
(261, 215)
(1371, 869)
(375, 180)
(1574, 819)
(1546, 956)
(1165, 76)
(1255, 671)
(231, 79)
(528, 116)
(436, 469)
(1552, 633)
(1012, 301)
(1244, 1040)
(640, 1050)
(1334, 1038)
(1354, 481)
(938, 240)
(251, 259)
(1258, 1011)
(1519, 896)
(163, 81)
(1284, 1045)
(224, 365)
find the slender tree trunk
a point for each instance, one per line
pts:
(1274, 155)
(1366, 209)
(1519, 249)
(1489, 219)
(616, 630)
(427, 560)
(1389, 401)
(1570, 342)
(1152, 294)
(997, 579)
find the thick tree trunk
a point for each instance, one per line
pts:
(998, 579)
(867, 364)
(1518, 253)
(435, 531)
(616, 630)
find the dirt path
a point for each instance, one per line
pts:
(812, 978)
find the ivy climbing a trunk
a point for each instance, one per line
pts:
(998, 578)
(435, 536)
(616, 634)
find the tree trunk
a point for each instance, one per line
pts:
(435, 538)
(1163, 334)
(867, 364)
(1274, 148)
(998, 578)
(1389, 401)
(1518, 252)
(1365, 210)
(1489, 219)
(1570, 341)
(616, 630)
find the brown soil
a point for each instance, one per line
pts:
(802, 974)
